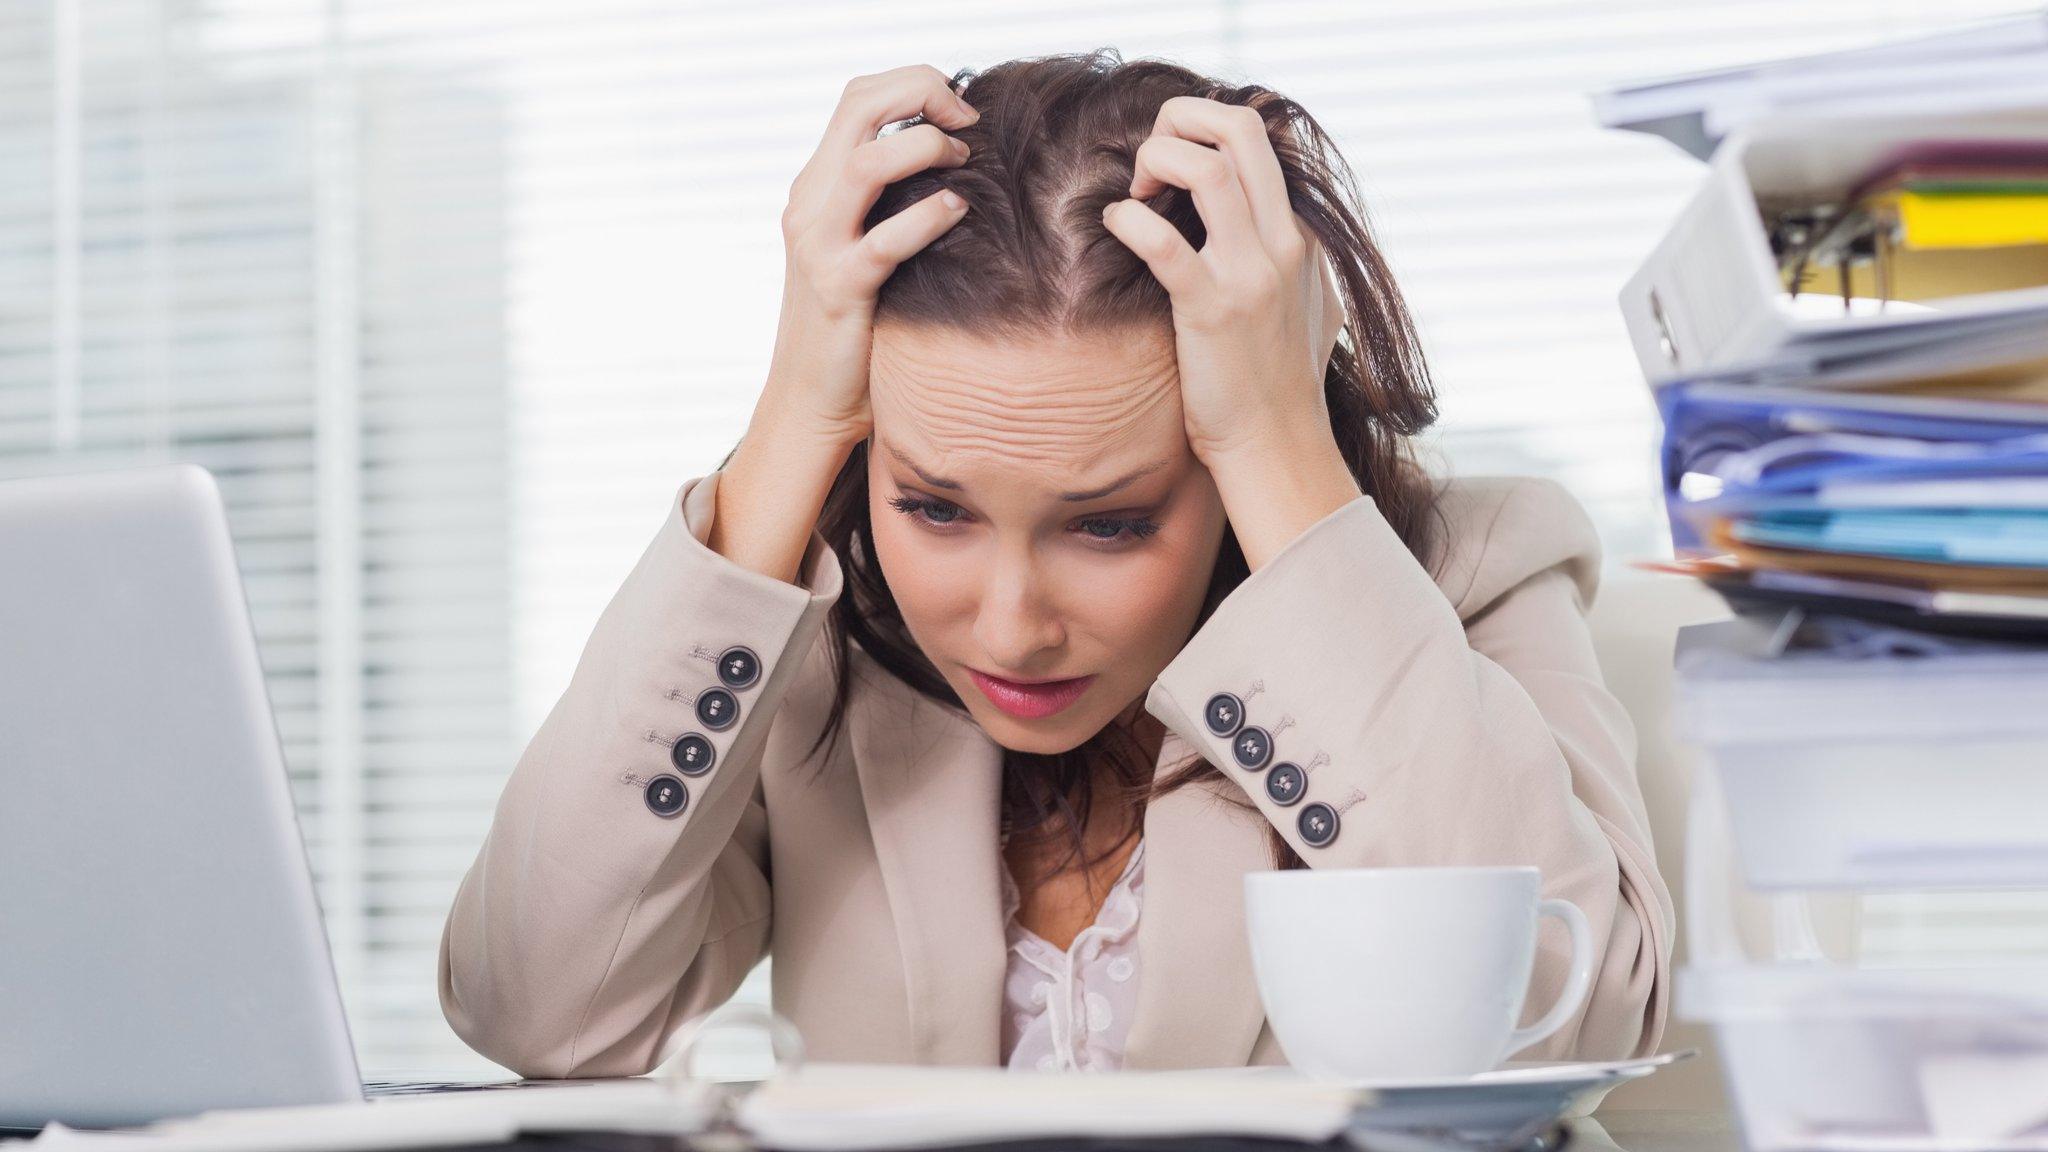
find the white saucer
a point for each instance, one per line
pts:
(1534, 1072)
(1503, 1106)
(1506, 1106)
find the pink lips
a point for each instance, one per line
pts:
(1030, 701)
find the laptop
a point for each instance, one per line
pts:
(161, 945)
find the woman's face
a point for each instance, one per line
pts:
(1039, 516)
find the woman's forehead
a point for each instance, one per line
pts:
(1096, 403)
(1106, 370)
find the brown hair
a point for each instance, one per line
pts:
(1056, 141)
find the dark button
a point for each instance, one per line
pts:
(1318, 824)
(1223, 714)
(738, 667)
(717, 709)
(666, 795)
(1286, 784)
(692, 754)
(1252, 748)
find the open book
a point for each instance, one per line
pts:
(858, 1106)
(850, 1107)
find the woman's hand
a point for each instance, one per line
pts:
(814, 407)
(1255, 312)
(1255, 316)
(818, 378)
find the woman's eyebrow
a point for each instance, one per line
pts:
(1114, 485)
(1069, 497)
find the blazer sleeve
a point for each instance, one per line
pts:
(1463, 723)
(598, 916)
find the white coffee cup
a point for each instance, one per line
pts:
(1400, 973)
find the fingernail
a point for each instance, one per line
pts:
(967, 108)
(952, 199)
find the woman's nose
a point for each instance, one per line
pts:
(1017, 620)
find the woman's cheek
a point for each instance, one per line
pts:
(926, 579)
(1172, 589)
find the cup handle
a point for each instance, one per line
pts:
(678, 1069)
(1576, 986)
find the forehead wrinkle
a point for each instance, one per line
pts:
(1073, 442)
(1063, 371)
(1062, 404)
(1028, 424)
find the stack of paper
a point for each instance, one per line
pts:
(1846, 332)
(1911, 509)
(855, 1106)
(1997, 63)
(1890, 464)
(456, 1119)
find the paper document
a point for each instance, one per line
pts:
(635, 1104)
(859, 1106)
(2000, 62)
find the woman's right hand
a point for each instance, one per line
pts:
(832, 270)
(814, 407)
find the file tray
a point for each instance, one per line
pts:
(1879, 772)
(1713, 295)
(1866, 890)
(1822, 1058)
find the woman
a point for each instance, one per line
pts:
(1074, 564)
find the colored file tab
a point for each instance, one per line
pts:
(1969, 219)
(2009, 537)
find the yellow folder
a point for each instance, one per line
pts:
(1969, 220)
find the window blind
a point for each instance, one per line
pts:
(452, 295)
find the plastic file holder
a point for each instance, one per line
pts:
(1867, 892)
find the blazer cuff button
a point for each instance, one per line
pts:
(1318, 824)
(1223, 714)
(717, 709)
(1286, 784)
(738, 667)
(666, 795)
(692, 754)
(1251, 748)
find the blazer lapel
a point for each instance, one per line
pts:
(931, 780)
(1198, 1004)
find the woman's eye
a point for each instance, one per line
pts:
(1115, 530)
(1118, 529)
(930, 511)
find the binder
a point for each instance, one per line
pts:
(1714, 294)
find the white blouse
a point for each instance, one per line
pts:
(1069, 1011)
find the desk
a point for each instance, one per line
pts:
(1651, 1130)
(1630, 1130)
(1645, 1130)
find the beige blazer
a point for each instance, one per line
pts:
(1462, 718)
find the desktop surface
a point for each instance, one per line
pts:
(1618, 1130)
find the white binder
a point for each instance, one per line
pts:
(1710, 297)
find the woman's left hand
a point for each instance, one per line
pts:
(1255, 313)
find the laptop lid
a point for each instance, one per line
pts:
(164, 952)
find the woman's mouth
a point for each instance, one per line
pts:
(1030, 701)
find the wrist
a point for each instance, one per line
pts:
(1273, 492)
(770, 495)
(786, 413)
